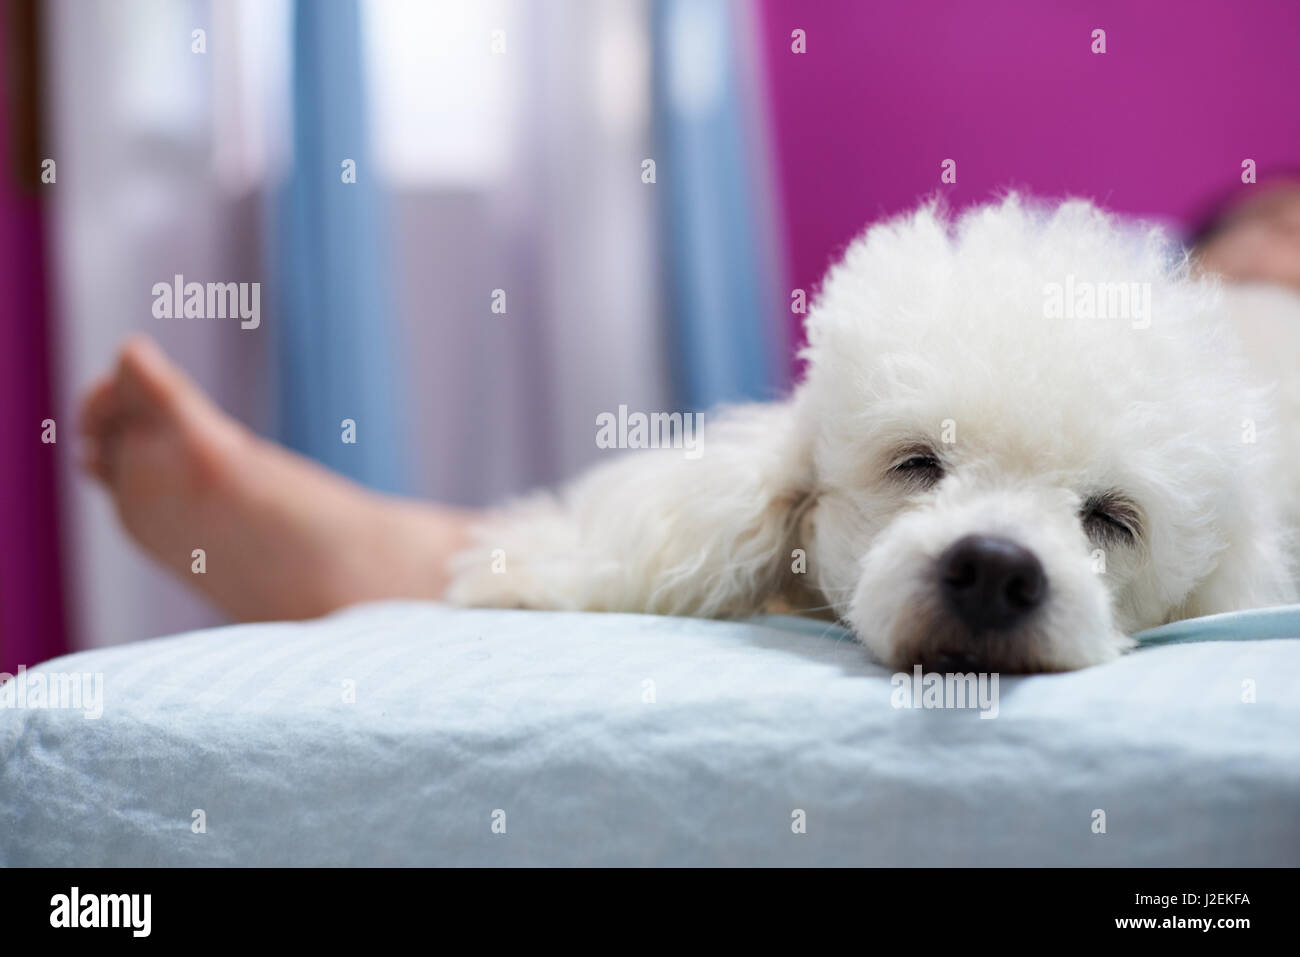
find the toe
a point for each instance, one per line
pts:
(98, 407)
(152, 383)
(100, 411)
(146, 375)
(153, 387)
(95, 459)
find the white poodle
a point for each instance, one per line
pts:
(1021, 437)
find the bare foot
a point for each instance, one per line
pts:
(282, 537)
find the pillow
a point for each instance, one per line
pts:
(1280, 621)
(413, 733)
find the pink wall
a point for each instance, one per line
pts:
(31, 603)
(1158, 125)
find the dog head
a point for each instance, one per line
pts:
(1029, 435)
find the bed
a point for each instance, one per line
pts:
(413, 733)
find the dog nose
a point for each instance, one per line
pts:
(990, 582)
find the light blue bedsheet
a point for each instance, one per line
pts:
(415, 733)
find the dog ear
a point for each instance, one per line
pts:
(716, 533)
(704, 531)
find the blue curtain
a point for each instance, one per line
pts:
(333, 350)
(729, 343)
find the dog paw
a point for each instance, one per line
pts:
(483, 579)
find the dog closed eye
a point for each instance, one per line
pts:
(918, 465)
(1110, 517)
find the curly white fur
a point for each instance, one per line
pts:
(933, 333)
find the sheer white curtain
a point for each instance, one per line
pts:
(515, 170)
(513, 134)
(140, 147)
